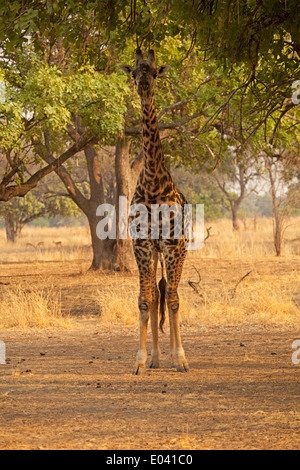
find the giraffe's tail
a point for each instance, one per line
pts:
(162, 285)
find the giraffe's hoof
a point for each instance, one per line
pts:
(173, 361)
(154, 365)
(139, 369)
(183, 367)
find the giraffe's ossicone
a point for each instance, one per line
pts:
(155, 187)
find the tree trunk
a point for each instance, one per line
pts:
(10, 229)
(234, 214)
(13, 228)
(108, 253)
(115, 254)
(234, 203)
(103, 250)
(277, 237)
(277, 226)
(124, 252)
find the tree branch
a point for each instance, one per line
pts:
(133, 131)
(8, 192)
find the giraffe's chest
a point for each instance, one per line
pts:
(159, 221)
(157, 191)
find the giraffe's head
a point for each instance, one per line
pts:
(144, 73)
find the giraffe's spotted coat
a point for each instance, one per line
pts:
(155, 186)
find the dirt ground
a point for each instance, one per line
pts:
(73, 389)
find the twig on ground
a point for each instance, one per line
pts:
(195, 284)
(233, 291)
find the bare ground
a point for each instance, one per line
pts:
(73, 389)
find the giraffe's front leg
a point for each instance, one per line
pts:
(177, 353)
(155, 353)
(172, 342)
(155, 356)
(141, 357)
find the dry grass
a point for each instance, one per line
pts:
(44, 244)
(269, 295)
(258, 301)
(254, 239)
(31, 308)
(118, 306)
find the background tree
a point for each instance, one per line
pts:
(284, 189)
(237, 178)
(47, 99)
(233, 65)
(21, 211)
(57, 107)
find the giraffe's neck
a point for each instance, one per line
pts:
(155, 170)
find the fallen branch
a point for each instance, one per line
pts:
(208, 233)
(195, 284)
(233, 291)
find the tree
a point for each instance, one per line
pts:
(21, 211)
(107, 253)
(284, 189)
(43, 97)
(233, 60)
(53, 107)
(198, 188)
(236, 177)
(260, 38)
(238, 31)
(18, 212)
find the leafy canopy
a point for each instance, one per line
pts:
(47, 97)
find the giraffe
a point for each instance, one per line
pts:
(155, 186)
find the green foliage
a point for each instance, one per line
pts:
(198, 189)
(21, 208)
(255, 41)
(48, 97)
(231, 32)
(232, 66)
(36, 204)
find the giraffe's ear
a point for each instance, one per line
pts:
(127, 69)
(162, 70)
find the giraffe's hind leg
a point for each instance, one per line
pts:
(155, 353)
(177, 352)
(172, 342)
(174, 259)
